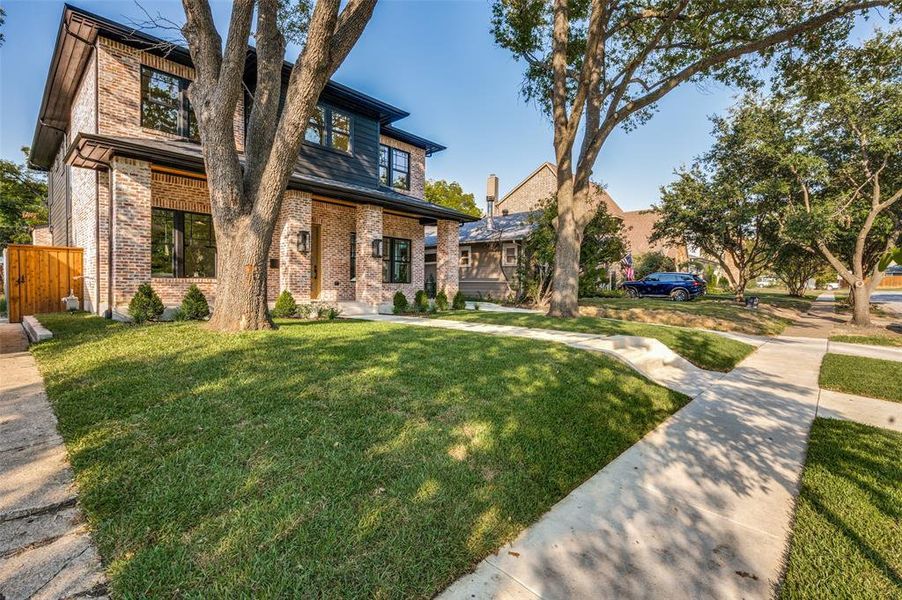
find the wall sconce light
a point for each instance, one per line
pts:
(304, 242)
(377, 248)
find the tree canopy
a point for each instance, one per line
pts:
(23, 195)
(450, 194)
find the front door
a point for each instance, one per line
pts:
(315, 266)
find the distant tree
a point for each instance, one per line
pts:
(450, 194)
(654, 262)
(596, 65)
(2, 22)
(602, 244)
(795, 266)
(23, 195)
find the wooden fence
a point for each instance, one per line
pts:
(890, 281)
(39, 277)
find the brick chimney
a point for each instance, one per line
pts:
(491, 196)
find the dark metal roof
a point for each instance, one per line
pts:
(77, 34)
(505, 228)
(94, 151)
(414, 140)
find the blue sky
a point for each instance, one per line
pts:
(435, 59)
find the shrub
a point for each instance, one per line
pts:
(399, 303)
(333, 312)
(145, 305)
(421, 301)
(441, 301)
(194, 306)
(654, 262)
(723, 283)
(459, 302)
(304, 311)
(609, 294)
(285, 305)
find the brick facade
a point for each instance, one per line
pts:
(369, 268)
(131, 227)
(417, 166)
(406, 228)
(447, 271)
(294, 265)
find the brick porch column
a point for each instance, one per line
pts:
(294, 265)
(369, 268)
(447, 269)
(131, 229)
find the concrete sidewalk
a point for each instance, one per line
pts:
(870, 411)
(878, 352)
(45, 549)
(700, 508)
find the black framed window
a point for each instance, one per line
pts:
(395, 260)
(165, 105)
(353, 256)
(182, 244)
(330, 128)
(394, 167)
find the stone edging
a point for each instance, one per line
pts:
(34, 330)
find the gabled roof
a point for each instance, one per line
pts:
(505, 228)
(95, 151)
(78, 31)
(597, 191)
(546, 165)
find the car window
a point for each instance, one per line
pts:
(652, 277)
(669, 277)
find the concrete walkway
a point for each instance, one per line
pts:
(648, 356)
(878, 352)
(870, 411)
(45, 549)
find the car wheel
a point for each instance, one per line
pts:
(632, 292)
(679, 295)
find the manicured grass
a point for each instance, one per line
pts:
(718, 312)
(869, 377)
(332, 459)
(871, 340)
(847, 541)
(706, 350)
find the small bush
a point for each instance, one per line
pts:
(304, 311)
(399, 303)
(723, 282)
(145, 305)
(421, 301)
(441, 301)
(194, 306)
(609, 294)
(333, 313)
(476, 306)
(285, 306)
(459, 302)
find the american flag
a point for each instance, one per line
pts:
(627, 264)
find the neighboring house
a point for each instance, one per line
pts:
(41, 236)
(126, 181)
(489, 248)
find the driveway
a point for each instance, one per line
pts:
(890, 300)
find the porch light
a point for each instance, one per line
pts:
(304, 242)
(377, 248)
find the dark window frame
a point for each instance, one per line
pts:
(390, 167)
(179, 244)
(328, 130)
(186, 115)
(388, 258)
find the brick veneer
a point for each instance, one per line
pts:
(131, 227)
(417, 166)
(369, 267)
(447, 272)
(294, 265)
(406, 228)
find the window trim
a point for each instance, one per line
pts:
(388, 256)
(504, 248)
(184, 106)
(460, 260)
(390, 167)
(326, 138)
(178, 244)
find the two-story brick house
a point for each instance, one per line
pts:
(126, 181)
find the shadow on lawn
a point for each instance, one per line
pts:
(359, 459)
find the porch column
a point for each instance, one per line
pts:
(131, 229)
(294, 261)
(447, 270)
(368, 287)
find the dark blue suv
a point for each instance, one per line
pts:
(676, 286)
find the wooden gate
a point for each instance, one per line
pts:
(39, 277)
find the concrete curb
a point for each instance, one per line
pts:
(34, 330)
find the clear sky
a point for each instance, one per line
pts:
(435, 59)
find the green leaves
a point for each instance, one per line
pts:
(450, 194)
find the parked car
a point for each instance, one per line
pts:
(766, 282)
(676, 286)
(832, 286)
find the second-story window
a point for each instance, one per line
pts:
(164, 104)
(394, 167)
(331, 128)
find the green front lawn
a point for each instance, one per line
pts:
(326, 459)
(847, 539)
(718, 312)
(869, 377)
(894, 340)
(706, 350)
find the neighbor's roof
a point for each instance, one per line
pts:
(612, 207)
(505, 228)
(94, 151)
(638, 226)
(75, 40)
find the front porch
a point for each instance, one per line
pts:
(324, 249)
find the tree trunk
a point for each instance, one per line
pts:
(861, 305)
(739, 289)
(569, 235)
(242, 253)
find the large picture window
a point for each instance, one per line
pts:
(164, 104)
(331, 128)
(394, 167)
(182, 244)
(395, 260)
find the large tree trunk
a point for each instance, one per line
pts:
(564, 296)
(242, 253)
(739, 288)
(861, 305)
